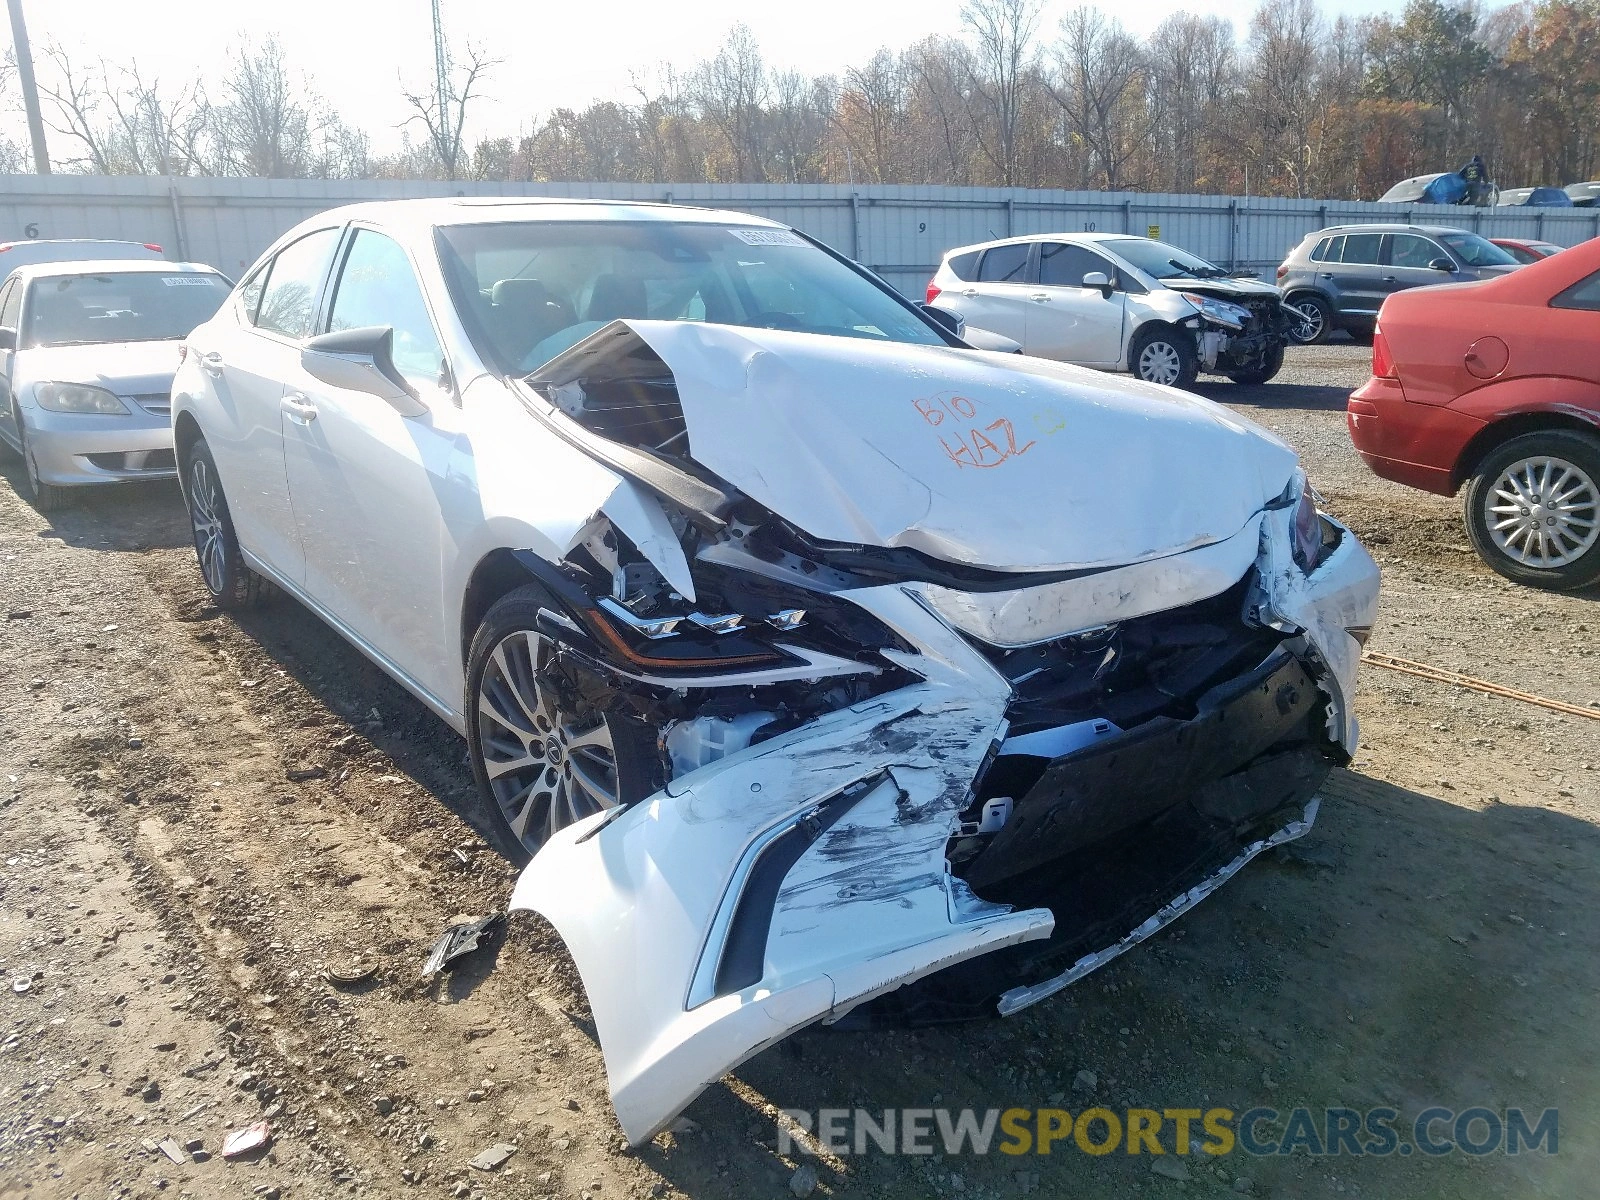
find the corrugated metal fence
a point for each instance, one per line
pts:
(900, 232)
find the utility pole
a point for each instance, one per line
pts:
(30, 89)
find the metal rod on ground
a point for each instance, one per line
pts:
(30, 89)
(1440, 675)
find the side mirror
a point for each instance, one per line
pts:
(362, 360)
(948, 321)
(1442, 264)
(1098, 279)
(8, 339)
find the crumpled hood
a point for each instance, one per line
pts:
(125, 368)
(991, 460)
(1225, 288)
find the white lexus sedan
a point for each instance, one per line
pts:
(818, 665)
(87, 354)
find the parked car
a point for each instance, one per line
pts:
(810, 654)
(87, 355)
(1440, 187)
(1535, 197)
(1118, 303)
(1526, 250)
(1584, 195)
(1495, 385)
(1338, 278)
(43, 250)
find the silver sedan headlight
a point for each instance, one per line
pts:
(78, 398)
(1220, 312)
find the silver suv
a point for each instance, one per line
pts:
(1338, 278)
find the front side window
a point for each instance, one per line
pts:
(1362, 249)
(120, 306)
(1004, 264)
(1476, 251)
(527, 290)
(1064, 265)
(378, 286)
(1409, 250)
(289, 299)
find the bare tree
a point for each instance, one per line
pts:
(125, 124)
(1098, 87)
(445, 116)
(731, 91)
(265, 121)
(1003, 31)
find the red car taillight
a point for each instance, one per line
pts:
(933, 291)
(1382, 361)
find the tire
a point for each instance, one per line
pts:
(46, 497)
(1164, 355)
(1502, 522)
(1271, 363)
(232, 585)
(1317, 322)
(524, 706)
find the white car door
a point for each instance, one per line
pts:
(369, 485)
(245, 354)
(10, 320)
(997, 298)
(1068, 321)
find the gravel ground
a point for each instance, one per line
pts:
(200, 815)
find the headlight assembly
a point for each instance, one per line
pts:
(1311, 535)
(1220, 312)
(78, 398)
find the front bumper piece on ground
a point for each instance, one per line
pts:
(807, 878)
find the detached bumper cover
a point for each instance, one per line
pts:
(808, 876)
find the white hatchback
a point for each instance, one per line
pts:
(1119, 303)
(809, 657)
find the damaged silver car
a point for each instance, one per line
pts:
(821, 667)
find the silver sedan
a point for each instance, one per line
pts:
(87, 355)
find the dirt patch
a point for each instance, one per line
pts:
(203, 815)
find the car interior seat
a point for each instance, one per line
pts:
(617, 297)
(522, 313)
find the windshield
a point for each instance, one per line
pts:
(529, 290)
(143, 306)
(1161, 260)
(1476, 251)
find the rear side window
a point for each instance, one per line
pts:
(1319, 252)
(1332, 250)
(964, 266)
(289, 300)
(1585, 294)
(10, 305)
(1361, 248)
(1005, 264)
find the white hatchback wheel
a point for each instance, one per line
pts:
(1160, 362)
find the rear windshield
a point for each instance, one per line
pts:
(144, 306)
(1476, 251)
(529, 290)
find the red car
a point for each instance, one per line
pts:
(1496, 385)
(1526, 250)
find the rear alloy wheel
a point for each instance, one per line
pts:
(1313, 322)
(545, 755)
(1533, 509)
(1165, 356)
(231, 584)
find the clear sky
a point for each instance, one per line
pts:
(563, 53)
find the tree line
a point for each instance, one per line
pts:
(1294, 104)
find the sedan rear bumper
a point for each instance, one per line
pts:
(1414, 444)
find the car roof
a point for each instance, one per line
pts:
(1387, 227)
(425, 213)
(1026, 238)
(108, 266)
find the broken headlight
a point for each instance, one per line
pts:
(1219, 312)
(1311, 535)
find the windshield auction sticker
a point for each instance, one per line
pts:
(768, 237)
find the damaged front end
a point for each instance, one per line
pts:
(916, 764)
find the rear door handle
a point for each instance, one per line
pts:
(1327, 275)
(1388, 278)
(1040, 296)
(298, 409)
(969, 291)
(211, 363)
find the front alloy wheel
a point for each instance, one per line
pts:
(1533, 510)
(231, 584)
(544, 754)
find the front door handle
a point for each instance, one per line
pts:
(1040, 296)
(298, 409)
(211, 363)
